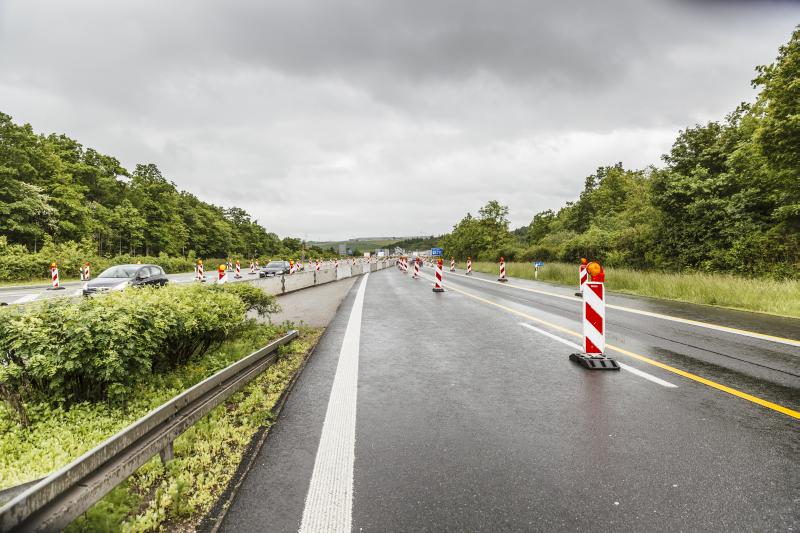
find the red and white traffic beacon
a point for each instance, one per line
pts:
(594, 322)
(582, 277)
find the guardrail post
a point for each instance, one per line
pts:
(167, 453)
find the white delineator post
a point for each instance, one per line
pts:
(437, 283)
(502, 276)
(469, 266)
(594, 318)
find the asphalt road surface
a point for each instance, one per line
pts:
(460, 411)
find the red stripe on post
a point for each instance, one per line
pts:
(594, 318)
(590, 347)
(597, 289)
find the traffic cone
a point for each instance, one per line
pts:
(56, 284)
(222, 274)
(502, 276)
(437, 284)
(469, 266)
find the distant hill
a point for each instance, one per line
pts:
(361, 243)
(371, 243)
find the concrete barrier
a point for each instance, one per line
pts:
(343, 271)
(298, 281)
(272, 286)
(301, 280)
(325, 276)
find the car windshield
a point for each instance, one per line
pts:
(120, 271)
(276, 264)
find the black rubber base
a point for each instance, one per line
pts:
(594, 363)
(55, 289)
(578, 294)
(438, 290)
(502, 280)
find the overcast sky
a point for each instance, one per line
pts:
(336, 119)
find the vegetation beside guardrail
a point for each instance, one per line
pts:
(61, 353)
(779, 297)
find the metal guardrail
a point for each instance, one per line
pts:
(55, 501)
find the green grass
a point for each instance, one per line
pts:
(723, 290)
(206, 456)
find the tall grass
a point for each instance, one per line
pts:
(724, 290)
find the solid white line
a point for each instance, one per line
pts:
(716, 327)
(329, 502)
(624, 366)
(25, 299)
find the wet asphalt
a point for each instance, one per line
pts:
(468, 421)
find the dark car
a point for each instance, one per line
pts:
(275, 268)
(119, 277)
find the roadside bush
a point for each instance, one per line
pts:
(63, 352)
(253, 297)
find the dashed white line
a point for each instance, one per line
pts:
(329, 502)
(631, 369)
(706, 325)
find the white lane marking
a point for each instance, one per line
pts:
(716, 327)
(25, 299)
(631, 369)
(329, 502)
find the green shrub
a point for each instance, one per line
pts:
(254, 298)
(63, 352)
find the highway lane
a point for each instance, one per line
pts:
(737, 359)
(465, 418)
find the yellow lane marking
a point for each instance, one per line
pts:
(707, 325)
(749, 397)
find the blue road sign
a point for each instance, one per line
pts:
(538, 263)
(436, 252)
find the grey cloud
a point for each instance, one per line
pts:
(308, 114)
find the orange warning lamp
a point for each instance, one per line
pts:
(595, 270)
(221, 268)
(53, 264)
(199, 261)
(583, 260)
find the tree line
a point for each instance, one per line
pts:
(52, 189)
(727, 198)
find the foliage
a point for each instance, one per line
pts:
(728, 199)
(253, 297)
(51, 186)
(206, 455)
(778, 297)
(64, 353)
